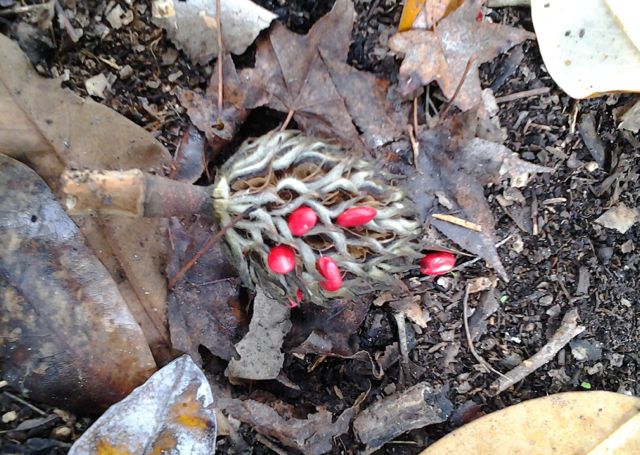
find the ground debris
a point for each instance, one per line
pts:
(388, 418)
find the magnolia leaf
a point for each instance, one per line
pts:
(170, 413)
(50, 129)
(191, 25)
(67, 335)
(570, 423)
(588, 45)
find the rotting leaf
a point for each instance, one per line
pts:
(260, 355)
(455, 163)
(189, 161)
(297, 79)
(416, 407)
(170, 413)
(204, 307)
(68, 337)
(442, 55)
(51, 129)
(313, 435)
(327, 330)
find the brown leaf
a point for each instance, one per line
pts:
(457, 165)
(297, 79)
(171, 413)
(327, 330)
(260, 355)
(204, 307)
(313, 435)
(51, 129)
(238, 96)
(414, 408)
(68, 337)
(443, 54)
(365, 98)
(189, 161)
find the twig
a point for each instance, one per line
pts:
(66, 23)
(270, 445)
(523, 94)
(568, 329)
(457, 221)
(465, 73)
(287, 120)
(26, 403)
(219, 37)
(467, 332)
(402, 344)
(212, 241)
(415, 146)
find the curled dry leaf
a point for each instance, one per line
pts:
(238, 98)
(570, 423)
(204, 307)
(51, 129)
(313, 435)
(191, 25)
(416, 407)
(588, 46)
(442, 55)
(260, 354)
(171, 413)
(68, 337)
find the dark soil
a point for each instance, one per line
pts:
(568, 262)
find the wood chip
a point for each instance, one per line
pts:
(457, 221)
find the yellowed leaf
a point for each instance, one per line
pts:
(567, 423)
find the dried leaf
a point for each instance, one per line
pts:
(442, 55)
(68, 336)
(191, 25)
(51, 129)
(571, 423)
(204, 307)
(586, 44)
(189, 160)
(238, 97)
(260, 350)
(327, 330)
(365, 97)
(170, 413)
(416, 407)
(297, 79)
(457, 165)
(313, 435)
(620, 218)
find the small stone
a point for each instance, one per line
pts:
(169, 57)
(153, 84)
(97, 85)
(61, 433)
(627, 247)
(125, 72)
(595, 369)
(9, 416)
(553, 311)
(3, 384)
(389, 389)
(604, 254)
(546, 300)
(616, 360)
(174, 76)
(584, 350)
(590, 166)
(448, 335)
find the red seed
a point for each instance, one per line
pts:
(330, 271)
(437, 263)
(299, 295)
(331, 286)
(356, 216)
(281, 259)
(301, 220)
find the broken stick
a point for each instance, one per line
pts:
(569, 328)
